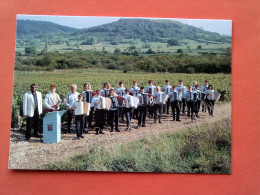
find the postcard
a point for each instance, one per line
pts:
(122, 94)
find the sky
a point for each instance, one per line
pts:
(223, 27)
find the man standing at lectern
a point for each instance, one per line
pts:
(32, 109)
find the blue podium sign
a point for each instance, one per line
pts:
(52, 127)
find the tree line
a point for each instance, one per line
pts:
(205, 63)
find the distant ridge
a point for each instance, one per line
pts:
(149, 30)
(33, 27)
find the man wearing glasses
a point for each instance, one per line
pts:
(32, 109)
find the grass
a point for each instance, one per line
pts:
(203, 149)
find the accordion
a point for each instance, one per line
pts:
(217, 95)
(183, 90)
(120, 100)
(114, 102)
(82, 108)
(131, 102)
(151, 90)
(211, 95)
(104, 103)
(88, 96)
(105, 92)
(161, 98)
(195, 96)
(136, 92)
(144, 99)
(167, 90)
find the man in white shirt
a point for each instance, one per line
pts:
(167, 90)
(203, 90)
(151, 89)
(32, 109)
(71, 97)
(182, 89)
(99, 113)
(121, 92)
(189, 96)
(134, 90)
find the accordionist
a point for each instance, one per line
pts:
(189, 97)
(121, 92)
(127, 108)
(71, 97)
(203, 90)
(105, 91)
(157, 105)
(197, 99)
(181, 88)
(210, 99)
(142, 108)
(150, 90)
(134, 90)
(87, 94)
(113, 111)
(175, 98)
(167, 90)
(99, 114)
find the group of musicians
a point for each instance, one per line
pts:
(149, 100)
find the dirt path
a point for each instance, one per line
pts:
(32, 154)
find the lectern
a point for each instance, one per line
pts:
(52, 127)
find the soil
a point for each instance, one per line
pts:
(33, 153)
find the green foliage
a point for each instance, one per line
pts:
(203, 149)
(206, 63)
(229, 51)
(172, 42)
(199, 47)
(30, 50)
(179, 51)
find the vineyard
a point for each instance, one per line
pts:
(63, 79)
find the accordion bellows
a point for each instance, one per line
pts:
(82, 108)
(104, 103)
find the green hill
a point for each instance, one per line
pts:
(148, 30)
(31, 27)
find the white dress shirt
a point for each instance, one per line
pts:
(71, 98)
(51, 99)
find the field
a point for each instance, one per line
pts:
(64, 79)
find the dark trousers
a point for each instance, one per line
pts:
(167, 106)
(32, 121)
(211, 106)
(127, 112)
(134, 113)
(142, 115)
(183, 104)
(114, 117)
(69, 118)
(151, 110)
(203, 107)
(88, 119)
(99, 118)
(79, 119)
(197, 107)
(190, 105)
(176, 106)
(157, 107)
(121, 113)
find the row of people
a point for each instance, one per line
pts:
(177, 97)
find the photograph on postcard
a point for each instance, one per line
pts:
(122, 94)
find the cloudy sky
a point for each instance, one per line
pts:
(223, 27)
